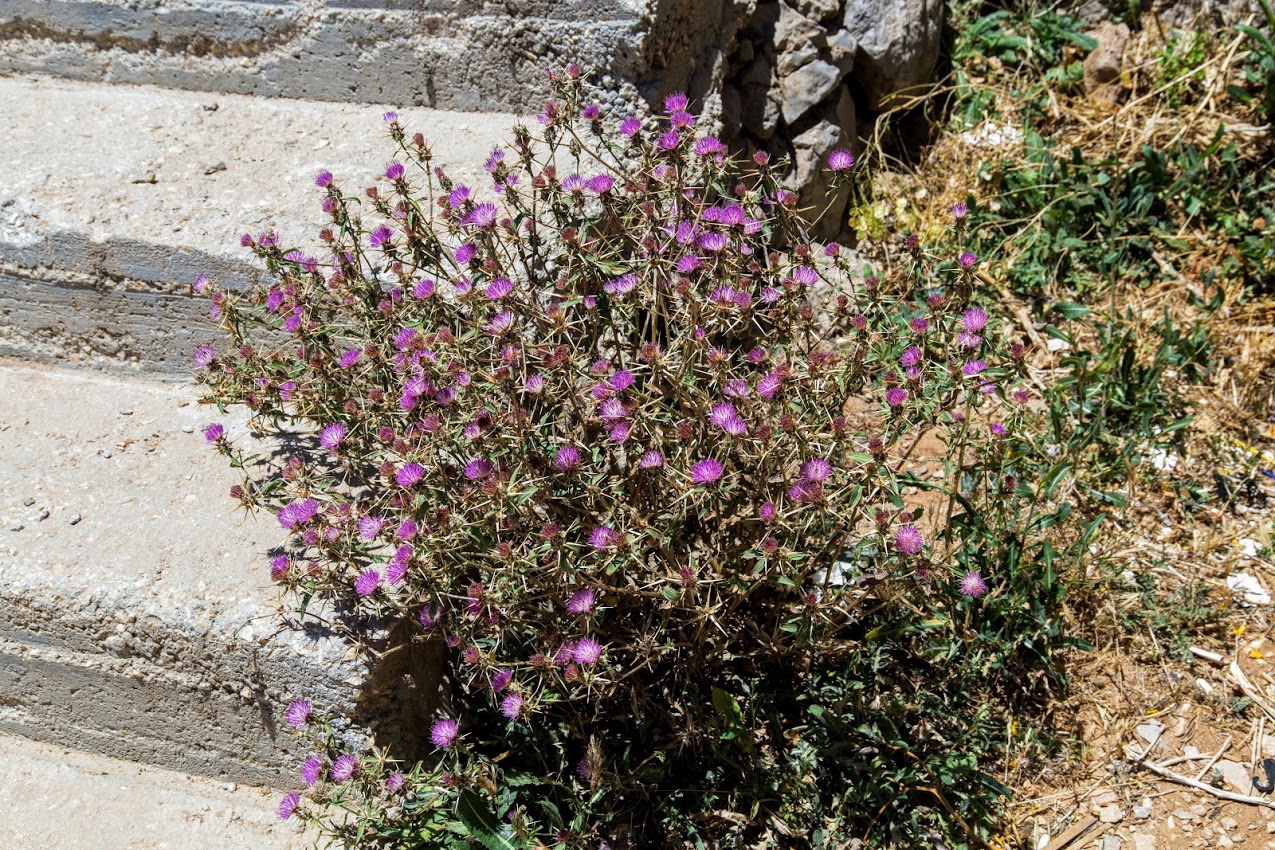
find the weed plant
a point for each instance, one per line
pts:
(639, 454)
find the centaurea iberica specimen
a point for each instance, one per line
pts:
(633, 421)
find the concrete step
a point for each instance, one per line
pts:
(114, 198)
(137, 616)
(61, 799)
(447, 54)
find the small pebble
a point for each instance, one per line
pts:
(1110, 842)
(124, 411)
(1229, 823)
(28, 501)
(42, 515)
(75, 519)
(189, 429)
(16, 526)
(1111, 814)
(107, 453)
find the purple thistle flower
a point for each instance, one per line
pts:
(972, 585)
(895, 396)
(367, 582)
(689, 263)
(458, 196)
(311, 770)
(390, 117)
(478, 468)
(343, 768)
(288, 805)
(573, 183)
(406, 531)
(603, 537)
(806, 491)
(908, 540)
(911, 357)
(621, 380)
(601, 184)
(481, 216)
(298, 713)
(816, 470)
(620, 432)
(379, 237)
(501, 679)
(622, 285)
(766, 513)
(707, 472)
(332, 436)
(499, 288)
(428, 618)
(204, 356)
(967, 260)
(591, 112)
(675, 102)
(651, 459)
(840, 160)
(567, 458)
(511, 706)
(349, 358)
(214, 432)
(323, 179)
(965, 339)
(630, 127)
(973, 368)
(997, 429)
(370, 527)
(720, 413)
(500, 323)
(959, 210)
(394, 171)
(444, 733)
(394, 783)
(713, 242)
(669, 140)
(424, 289)
(974, 320)
(409, 474)
(298, 513)
(582, 601)
(535, 384)
(735, 426)
(709, 146)
(465, 253)
(768, 387)
(805, 275)
(587, 652)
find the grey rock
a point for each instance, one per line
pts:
(1102, 65)
(1150, 731)
(124, 411)
(794, 30)
(1142, 811)
(836, 129)
(1110, 842)
(806, 87)
(898, 43)
(74, 519)
(818, 10)
(841, 50)
(1142, 841)
(16, 526)
(28, 501)
(1111, 814)
(1236, 775)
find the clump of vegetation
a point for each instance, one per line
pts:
(648, 461)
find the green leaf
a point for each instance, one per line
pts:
(483, 824)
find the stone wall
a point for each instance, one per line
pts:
(797, 78)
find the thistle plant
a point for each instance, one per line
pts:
(615, 431)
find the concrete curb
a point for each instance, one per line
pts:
(114, 198)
